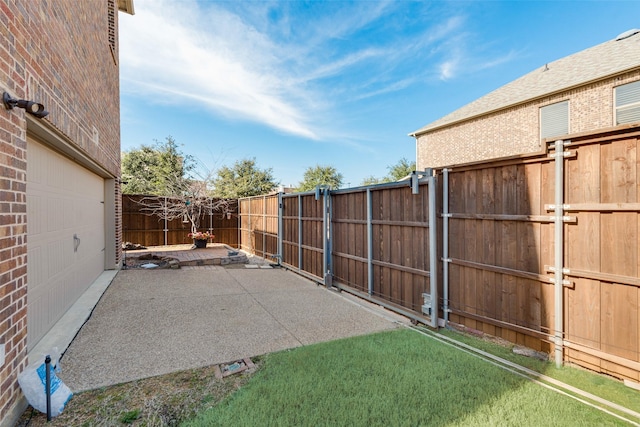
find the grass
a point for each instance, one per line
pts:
(392, 378)
(395, 378)
(600, 385)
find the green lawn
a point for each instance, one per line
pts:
(397, 378)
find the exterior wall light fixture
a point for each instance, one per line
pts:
(30, 107)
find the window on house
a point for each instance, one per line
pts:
(628, 103)
(554, 120)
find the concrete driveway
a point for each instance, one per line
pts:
(152, 322)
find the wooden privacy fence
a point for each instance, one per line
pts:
(258, 219)
(150, 230)
(373, 241)
(541, 250)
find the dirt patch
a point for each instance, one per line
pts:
(166, 400)
(133, 262)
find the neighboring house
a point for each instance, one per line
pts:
(59, 187)
(594, 89)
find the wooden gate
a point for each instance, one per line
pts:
(384, 245)
(372, 241)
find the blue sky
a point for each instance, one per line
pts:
(296, 84)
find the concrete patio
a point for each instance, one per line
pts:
(152, 322)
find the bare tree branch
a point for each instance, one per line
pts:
(186, 199)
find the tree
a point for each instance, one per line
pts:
(152, 169)
(401, 169)
(243, 179)
(163, 170)
(396, 173)
(372, 180)
(187, 199)
(320, 175)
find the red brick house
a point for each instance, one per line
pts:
(594, 89)
(59, 189)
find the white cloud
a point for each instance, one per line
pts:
(449, 68)
(183, 53)
(266, 63)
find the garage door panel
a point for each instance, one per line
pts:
(56, 296)
(53, 164)
(67, 249)
(36, 276)
(90, 246)
(37, 313)
(63, 199)
(35, 204)
(36, 165)
(86, 276)
(55, 258)
(55, 213)
(69, 219)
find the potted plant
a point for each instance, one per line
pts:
(200, 238)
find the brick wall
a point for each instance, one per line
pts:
(57, 53)
(516, 130)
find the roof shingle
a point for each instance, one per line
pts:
(592, 64)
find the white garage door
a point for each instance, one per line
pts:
(65, 236)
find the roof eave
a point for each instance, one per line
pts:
(126, 6)
(427, 128)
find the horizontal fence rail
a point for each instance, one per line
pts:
(543, 251)
(258, 219)
(357, 240)
(138, 227)
(540, 250)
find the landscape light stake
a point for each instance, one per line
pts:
(47, 384)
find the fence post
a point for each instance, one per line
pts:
(299, 232)
(280, 224)
(327, 236)
(166, 225)
(559, 155)
(249, 232)
(445, 244)
(211, 216)
(369, 243)
(433, 250)
(264, 226)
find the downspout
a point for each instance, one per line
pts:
(417, 152)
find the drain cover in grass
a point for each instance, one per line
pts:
(225, 369)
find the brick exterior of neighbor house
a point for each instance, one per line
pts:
(505, 175)
(62, 54)
(506, 122)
